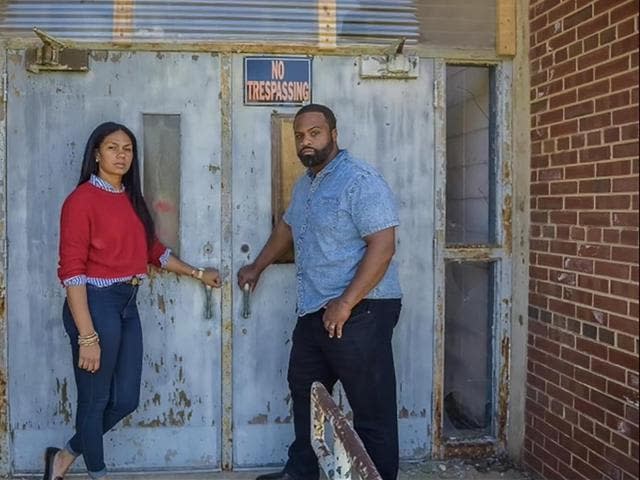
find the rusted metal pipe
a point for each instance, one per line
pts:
(349, 460)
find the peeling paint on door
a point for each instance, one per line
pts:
(182, 357)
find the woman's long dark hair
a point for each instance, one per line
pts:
(130, 180)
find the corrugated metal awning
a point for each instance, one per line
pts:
(245, 21)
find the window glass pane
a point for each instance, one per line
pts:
(457, 23)
(161, 174)
(470, 176)
(468, 362)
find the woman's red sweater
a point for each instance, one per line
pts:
(101, 236)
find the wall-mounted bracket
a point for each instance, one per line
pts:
(393, 64)
(55, 56)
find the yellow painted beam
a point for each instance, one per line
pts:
(327, 23)
(122, 20)
(506, 27)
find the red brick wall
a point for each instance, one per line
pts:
(582, 368)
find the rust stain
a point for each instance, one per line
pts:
(169, 419)
(280, 420)
(404, 413)
(472, 253)
(260, 419)
(123, 11)
(156, 422)
(156, 399)
(438, 380)
(99, 56)
(3, 402)
(158, 366)
(507, 213)
(503, 393)
(506, 172)
(161, 305)
(183, 399)
(64, 405)
(213, 47)
(469, 450)
(2, 292)
(437, 417)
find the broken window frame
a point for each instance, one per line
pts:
(497, 252)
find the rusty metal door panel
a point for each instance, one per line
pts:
(49, 118)
(262, 421)
(390, 124)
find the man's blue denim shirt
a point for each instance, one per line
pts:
(329, 215)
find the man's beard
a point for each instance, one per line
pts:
(318, 157)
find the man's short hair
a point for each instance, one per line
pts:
(316, 107)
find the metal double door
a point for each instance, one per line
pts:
(193, 349)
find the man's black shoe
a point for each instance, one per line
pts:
(281, 475)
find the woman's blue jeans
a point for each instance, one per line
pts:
(110, 394)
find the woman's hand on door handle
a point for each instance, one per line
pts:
(211, 278)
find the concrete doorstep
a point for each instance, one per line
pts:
(429, 470)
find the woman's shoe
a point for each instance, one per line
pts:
(49, 457)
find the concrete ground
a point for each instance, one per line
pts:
(431, 470)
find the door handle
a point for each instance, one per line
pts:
(246, 301)
(208, 302)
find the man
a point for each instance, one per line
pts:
(341, 222)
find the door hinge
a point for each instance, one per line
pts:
(55, 56)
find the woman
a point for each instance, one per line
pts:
(107, 240)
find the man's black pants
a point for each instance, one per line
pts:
(363, 362)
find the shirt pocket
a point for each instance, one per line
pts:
(325, 213)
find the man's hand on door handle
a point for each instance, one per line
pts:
(249, 274)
